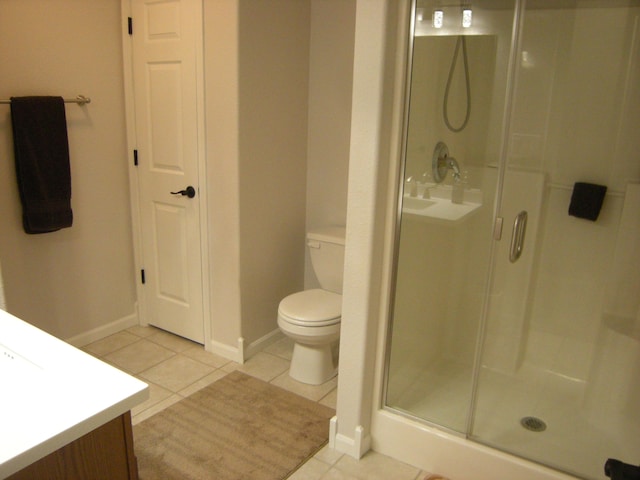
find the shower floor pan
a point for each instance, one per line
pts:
(570, 441)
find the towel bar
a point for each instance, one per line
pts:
(80, 100)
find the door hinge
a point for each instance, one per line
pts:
(130, 25)
(135, 158)
(142, 276)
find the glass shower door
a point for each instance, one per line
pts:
(459, 77)
(559, 378)
(524, 337)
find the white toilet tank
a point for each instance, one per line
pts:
(326, 247)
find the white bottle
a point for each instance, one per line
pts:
(459, 186)
(457, 194)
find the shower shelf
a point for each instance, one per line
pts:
(439, 208)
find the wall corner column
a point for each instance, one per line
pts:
(366, 206)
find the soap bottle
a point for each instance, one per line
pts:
(459, 186)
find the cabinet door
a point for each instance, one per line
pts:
(106, 453)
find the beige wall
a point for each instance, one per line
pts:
(257, 76)
(278, 89)
(330, 84)
(278, 83)
(221, 94)
(81, 278)
(274, 78)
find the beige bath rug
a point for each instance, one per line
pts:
(238, 428)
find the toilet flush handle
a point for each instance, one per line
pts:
(313, 244)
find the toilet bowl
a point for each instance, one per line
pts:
(311, 318)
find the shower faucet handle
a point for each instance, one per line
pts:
(441, 163)
(452, 164)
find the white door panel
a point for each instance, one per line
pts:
(166, 106)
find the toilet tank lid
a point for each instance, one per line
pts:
(328, 234)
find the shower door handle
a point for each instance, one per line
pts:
(517, 236)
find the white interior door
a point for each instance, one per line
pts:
(166, 36)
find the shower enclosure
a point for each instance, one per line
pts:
(515, 313)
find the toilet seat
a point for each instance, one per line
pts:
(312, 308)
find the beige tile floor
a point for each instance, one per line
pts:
(175, 368)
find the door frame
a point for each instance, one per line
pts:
(131, 134)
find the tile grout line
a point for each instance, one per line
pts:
(221, 369)
(331, 460)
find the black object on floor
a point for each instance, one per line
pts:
(617, 470)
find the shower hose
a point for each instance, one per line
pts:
(445, 107)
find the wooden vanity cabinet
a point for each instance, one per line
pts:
(105, 453)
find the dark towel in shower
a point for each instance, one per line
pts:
(42, 162)
(617, 470)
(586, 200)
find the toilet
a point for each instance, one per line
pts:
(312, 317)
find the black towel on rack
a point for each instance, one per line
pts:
(586, 200)
(42, 162)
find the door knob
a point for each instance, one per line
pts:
(189, 192)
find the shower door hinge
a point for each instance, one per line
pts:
(497, 228)
(142, 279)
(130, 25)
(135, 158)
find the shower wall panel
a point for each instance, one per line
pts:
(576, 96)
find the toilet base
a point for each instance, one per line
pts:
(313, 364)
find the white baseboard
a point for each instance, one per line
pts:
(262, 343)
(227, 351)
(242, 352)
(103, 331)
(355, 447)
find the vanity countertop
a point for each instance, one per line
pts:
(51, 393)
(438, 207)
